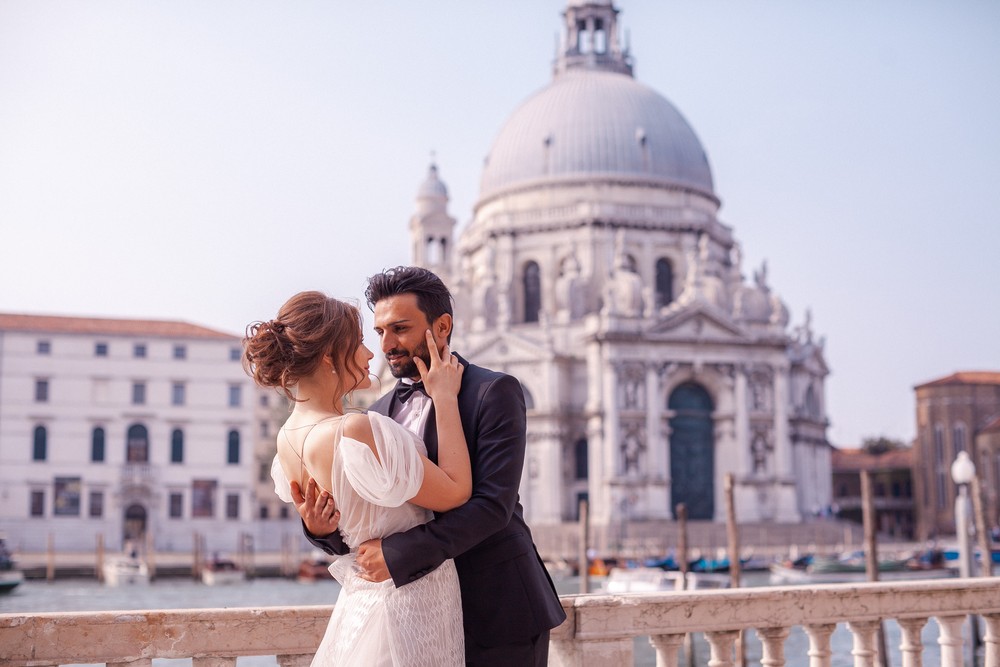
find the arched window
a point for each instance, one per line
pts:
(580, 457)
(177, 446)
(137, 444)
(582, 37)
(958, 437)
(529, 400)
(940, 468)
(812, 404)
(97, 445)
(532, 292)
(40, 442)
(233, 453)
(664, 282)
(600, 37)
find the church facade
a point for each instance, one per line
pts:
(595, 269)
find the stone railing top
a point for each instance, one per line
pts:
(591, 617)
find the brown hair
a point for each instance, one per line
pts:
(309, 327)
(433, 297)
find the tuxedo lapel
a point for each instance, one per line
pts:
(430, 430)
(431, 435)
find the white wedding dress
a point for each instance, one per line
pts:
(377, 624)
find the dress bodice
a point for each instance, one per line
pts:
(371, 493)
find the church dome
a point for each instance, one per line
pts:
(594, 124)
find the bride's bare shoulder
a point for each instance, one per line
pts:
(358, 426)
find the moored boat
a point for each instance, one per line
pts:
(315, 568)
(850, 568)
(220, 571)
(125, 570)
(653, 579)
(10, 576)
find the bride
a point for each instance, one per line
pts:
(377, 470)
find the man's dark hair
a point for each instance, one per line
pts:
(433, 297)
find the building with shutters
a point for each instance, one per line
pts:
(133, 430)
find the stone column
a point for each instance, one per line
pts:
(782, 440)
(598, 472)
(742, 417)
(655, 448)
(610, 454)
(548, 485)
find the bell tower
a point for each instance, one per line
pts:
(431, 228)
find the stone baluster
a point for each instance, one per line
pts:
(819, 644)
(667, 648)
(911, 646)
(864, 642)
(591, 653)
(722, 643)
(213, 662)
(950, 640)
(991, 641)
(141, 662)
(773, 640)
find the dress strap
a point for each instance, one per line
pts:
(300, 453)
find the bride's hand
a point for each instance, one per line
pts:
(444, 378)
(318, 510)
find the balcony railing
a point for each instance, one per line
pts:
(138, 474)
(599, 630)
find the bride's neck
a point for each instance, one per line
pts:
(318, 396)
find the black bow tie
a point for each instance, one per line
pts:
(404, 390)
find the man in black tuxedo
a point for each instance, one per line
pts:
(509, 603)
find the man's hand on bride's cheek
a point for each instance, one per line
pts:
(371, 561)
(318, 509)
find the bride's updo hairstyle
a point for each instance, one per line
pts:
(309, 327)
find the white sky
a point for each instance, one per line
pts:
(204, 160)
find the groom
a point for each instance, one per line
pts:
(509, 603)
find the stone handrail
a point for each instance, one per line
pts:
(599, 629)
(210, 637)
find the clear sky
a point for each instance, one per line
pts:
(204, 160)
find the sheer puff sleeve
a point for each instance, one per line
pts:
(396, 475)
(281, 485)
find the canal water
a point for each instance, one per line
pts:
(182, 593)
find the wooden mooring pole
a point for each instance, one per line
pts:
(982, 534)
(582, 555)
(50, 558)
(871, 552)
(681, 513)
(733, 546)
(99, 565)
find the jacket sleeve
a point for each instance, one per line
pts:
(497, 427)
(332, 544)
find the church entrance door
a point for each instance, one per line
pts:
(692, 451)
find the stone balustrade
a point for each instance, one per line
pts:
(599, 630)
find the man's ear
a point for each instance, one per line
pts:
(441, 328)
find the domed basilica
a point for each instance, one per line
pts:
(596, 270)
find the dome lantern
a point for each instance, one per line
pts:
(590, 39)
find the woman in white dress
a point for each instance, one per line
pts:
(378, 472)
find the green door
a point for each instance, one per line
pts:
(692, 451)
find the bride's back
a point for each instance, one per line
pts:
(369, 487)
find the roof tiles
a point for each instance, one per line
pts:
(107, 326)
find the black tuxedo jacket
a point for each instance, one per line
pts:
(507, 594)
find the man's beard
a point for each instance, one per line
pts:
(408, 369)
